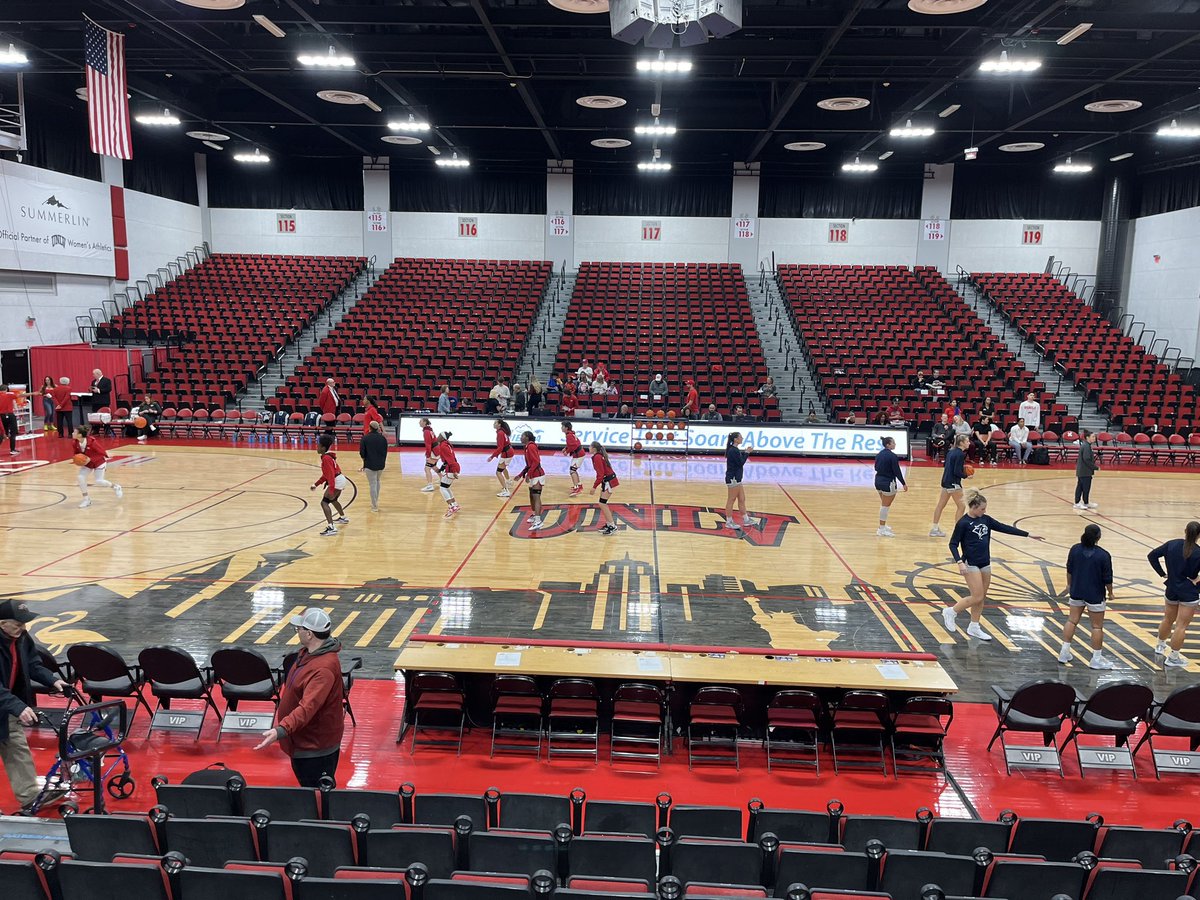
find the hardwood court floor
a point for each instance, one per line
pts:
(219, 544)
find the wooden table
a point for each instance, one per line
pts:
(817, 672)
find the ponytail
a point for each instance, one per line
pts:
(444, 436)
(732, 435)
(425, 423)
(567, 426)
(505, 427)
(1090, 536)
(597, 447)
(528, 437)
(975, 498)
(1190, 535)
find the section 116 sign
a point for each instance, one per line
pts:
(468, 227)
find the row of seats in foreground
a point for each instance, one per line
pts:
(416, 845)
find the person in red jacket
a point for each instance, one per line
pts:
(8, 417)
(606, 480)
(335, 482)
(309, 722)
(535, 477)
(64, 407)
(691, 406)
(431, 459)
(502, 454)
(575, 451)
(97, 461)
(449, 469)
(370, 414)
(328, 401)
(569, 402)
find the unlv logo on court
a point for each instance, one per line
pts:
(767, 530)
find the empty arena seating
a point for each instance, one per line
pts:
(360, 845)
(1137, 391)
(685, 320)
(232, 313)
(868, 330)
(425, 323)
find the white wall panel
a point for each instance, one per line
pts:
(985, 245)
(681, 239)
(1164, 277)
(318, 232)
(870, 242)
(437, 235)
(158, 230)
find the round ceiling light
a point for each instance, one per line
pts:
(804, 146)
(214, 4)
(403, 140)
(1113, 106)
(346, 98)
(1022, 146)
(587, 7)
(610, 143)
(844, 104)
(943, 7)
(208, 135)
(601, 101)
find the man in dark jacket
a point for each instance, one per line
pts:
(19, 669)
(102, 395)
(940, 438)
(373, 448)
(309, 721)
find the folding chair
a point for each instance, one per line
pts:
(1039, 707)
(1114, 710)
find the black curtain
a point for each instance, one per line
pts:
(468, 191)
(1009, 192)
(599, 194)
(840, 196)
(163, 167)
(1168, 191)
(57, 135)
(285, 183)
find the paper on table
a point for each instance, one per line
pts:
(508, 659)
(892, 671)
(650, 664)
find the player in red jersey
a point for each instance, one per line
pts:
(606, 480)
(503, 453)
(370, 414)
(569, 402)
(97, 460)
(430, 457)
(449, 469)
(335, 482)
(535, 477)
(575, 451)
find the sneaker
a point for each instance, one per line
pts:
(1100, 661)
(729, 523)
(341, 520)
(141, 439)
(505, 493)
(44, 799)
(450, 511)
(428, 489)
(975, 630)
(119, 491)
(14, 452)
(535, 523)
(374, 509)
(747, 522)
(86, 502)
(329, 531)
(936, 531)
(1176, 660)
(1079, 506)
(578, 489)
(1064, 655)
(884, 531)
(1161, 649)
(1093, 506)
(948, 619)
(608, 529)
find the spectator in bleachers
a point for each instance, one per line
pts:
(939, 437)
(658, 391)
(1018, 439)
(102, 396)
(570, 403)
(519, 398)
(370, 414)
(895, 413)
(444, 407)
(583, 386)
(984, 446)
(64, 407)
(920, 382)
(584, 373)
(951, 409)
(537, 395)
(711, 414)
(602, 371)
(150, 410)
(960, 427)
(624, 412)
(936, 382)
(328, 401)
(498, 397)
(1031, 411)
(987, 412)
(691, 405)
(739, 413)
(768, 388)
(600, 385)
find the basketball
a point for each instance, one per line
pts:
(79, 459)
(670, 435)
(658, 436)
(670, 413)
(637, 445)
(139, 422)
(969, 470)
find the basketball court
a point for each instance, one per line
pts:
(217, 545)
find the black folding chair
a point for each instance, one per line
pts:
(173, 675)
(1114, 710)
(243, 675)
(103, 673)
(1038, 707)
(1177, 716)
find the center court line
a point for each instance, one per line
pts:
(144, 524)
(1098, 515)
(898, 630)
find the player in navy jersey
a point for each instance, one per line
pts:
(735, 494)
(1090, 577)
(954, 470)
(1182, 580)
(973, 537)
(889, 479)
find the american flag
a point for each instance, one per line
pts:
(108, 102)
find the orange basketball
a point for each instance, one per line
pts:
(969, 470)
(79, 459)
(658, 436)
(139, 422)
(670, 435)
(660, 414)
(637, 445)
(670, 413)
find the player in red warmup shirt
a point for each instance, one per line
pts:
(569, 402)
(8, 417)
(503, 453)
(449, 469)
(370, 414)
(335, 482)
(691, 406)
(575, 451)
(535, 477)
(606, 480)
(430, 457)
(97, 461)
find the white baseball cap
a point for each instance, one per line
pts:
(314, 619)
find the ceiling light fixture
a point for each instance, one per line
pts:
(157, 118)
(1119, 157)
(859, 166)
(269, 25)
(1175, 130)
(656, 129)
(215, 146)
(452, 162)
(601, 101)
(908, 130)
(660, 65)
(1068, 167)
(412, 123)
(1022, 147)
(886, 154)
(804, 146)
(331, 60)
(950, 110)
(1006, 66)
(655, 166)
(1078, 31)
(257, 157)
(13, 57)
